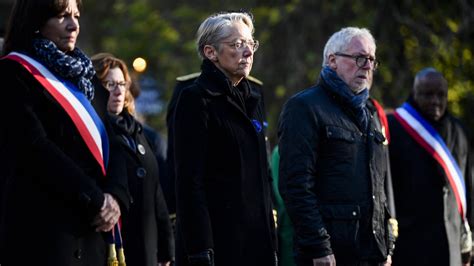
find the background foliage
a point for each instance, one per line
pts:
(410, 35)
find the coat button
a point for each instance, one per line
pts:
(354, 213)
(141, 172)
(78, 254)
(141, 149)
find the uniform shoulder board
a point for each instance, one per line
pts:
(255, 80)
(195, 75)
(188, 77)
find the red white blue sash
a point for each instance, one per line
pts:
(383, 121)
(76, 105)
(423, 133)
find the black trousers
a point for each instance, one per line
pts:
(309, 262)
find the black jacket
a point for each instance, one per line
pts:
(146, 227)
(54, 187)
(223, 187)
(332, 178)
(425, 202)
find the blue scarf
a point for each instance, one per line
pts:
(357, 102)
(74, 66)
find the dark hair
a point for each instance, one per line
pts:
(27, 18)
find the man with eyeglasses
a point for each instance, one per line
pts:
(333, 160)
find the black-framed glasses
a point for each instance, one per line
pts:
(240, 45)
(113, 85)
(361, 60)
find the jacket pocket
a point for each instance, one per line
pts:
(342, 224)
(338, 133)
(339, 147)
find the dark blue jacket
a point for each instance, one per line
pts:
(332, 178)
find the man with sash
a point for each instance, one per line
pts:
(431, 175)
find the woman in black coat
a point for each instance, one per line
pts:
(146, 228)
(60, 162)
(224, 211)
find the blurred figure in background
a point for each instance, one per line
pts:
(224, 209)
(432, 177)
(159, 146)
(284, 228)
(147, 233)
(61, 161)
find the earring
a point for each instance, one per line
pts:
(37, 31)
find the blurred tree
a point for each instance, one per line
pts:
(410, 35)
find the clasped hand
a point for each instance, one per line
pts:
(108, 216)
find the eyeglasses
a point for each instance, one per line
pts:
(361, 60)
(240, 45)
(113, 85)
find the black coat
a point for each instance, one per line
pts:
(332, 178)
(54, 187)
(427, 214)
(223, 186)
(169, 183)
(146, 227)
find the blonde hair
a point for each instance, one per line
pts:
(103, 62)
(215, 28)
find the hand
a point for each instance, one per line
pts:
(168, 263)
(108, 216)
(329, 260)
(388, 262)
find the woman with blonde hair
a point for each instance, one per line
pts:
(223, 187)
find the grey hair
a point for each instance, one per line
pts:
(215, 28)
(339, 41)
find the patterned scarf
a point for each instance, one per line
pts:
(357, 102)
(74, 66)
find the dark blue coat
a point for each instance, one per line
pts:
(146, 227)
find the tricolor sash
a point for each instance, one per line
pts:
(383, 120)
(423, 133)
(116, 254)
(76, 105)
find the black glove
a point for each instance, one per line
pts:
(204, 258)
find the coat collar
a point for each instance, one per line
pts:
(215, 84)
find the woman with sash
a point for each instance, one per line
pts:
(65, 181)
(146, 225)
